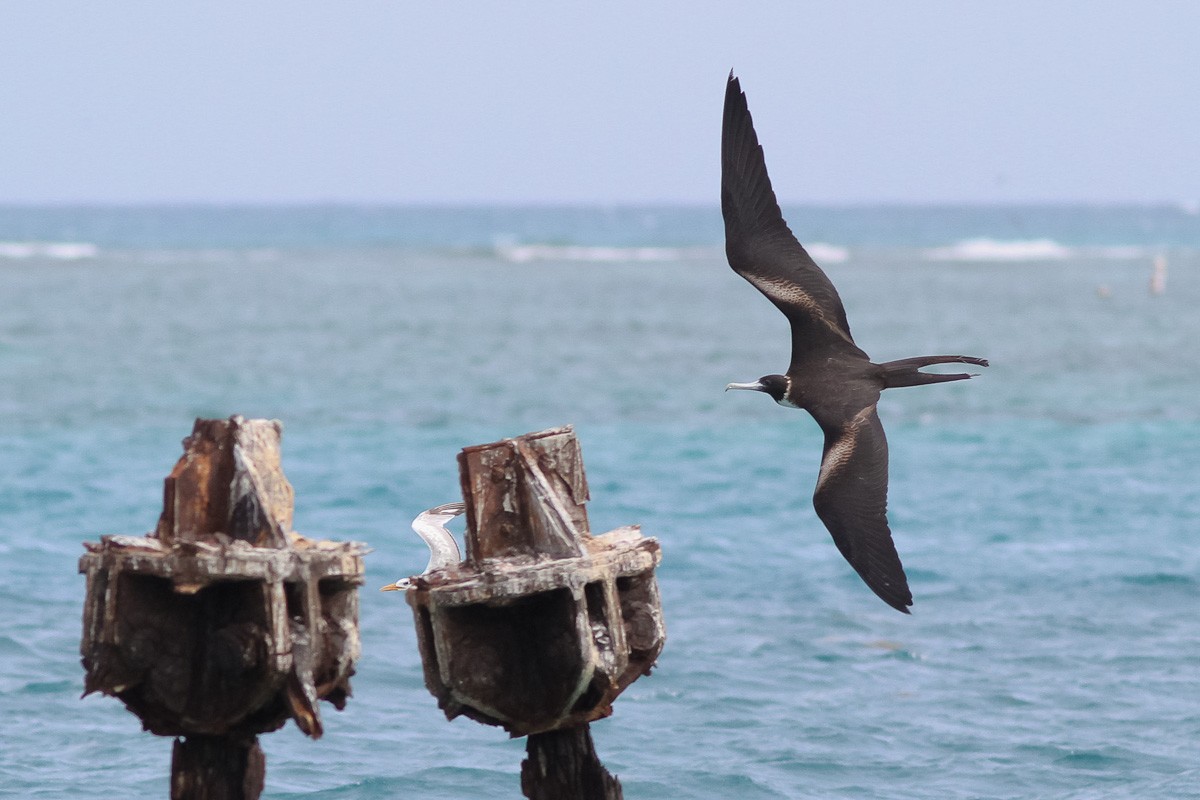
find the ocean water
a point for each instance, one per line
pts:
(1047, 512)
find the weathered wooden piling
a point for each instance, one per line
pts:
(223, 623)
(542, 625)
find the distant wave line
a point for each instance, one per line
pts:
(970, 250)
(1000, 250)
(1017, 250)
(526, 253)
(59, 251)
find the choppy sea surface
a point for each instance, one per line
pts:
(1047, 512)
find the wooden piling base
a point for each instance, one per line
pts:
(217, 768)
(563, 763)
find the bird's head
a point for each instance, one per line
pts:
(774, 385)
(402, 585)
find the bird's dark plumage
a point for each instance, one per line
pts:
(829, 376)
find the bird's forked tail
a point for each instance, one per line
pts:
(906, 371)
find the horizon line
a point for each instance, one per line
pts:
(1185, 206)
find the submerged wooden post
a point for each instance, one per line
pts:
(223, 623)
(542, 625)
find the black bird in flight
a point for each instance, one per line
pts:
(829, 376)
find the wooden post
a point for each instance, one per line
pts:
(217, 768)
(543, 625)
(223, 623)
(562, 764)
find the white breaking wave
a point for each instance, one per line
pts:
(59, 251)
(997, 250)
(525, 253)
(827, 253)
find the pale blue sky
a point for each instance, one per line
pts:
(614, 102)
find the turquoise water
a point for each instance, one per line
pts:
(1046, 512)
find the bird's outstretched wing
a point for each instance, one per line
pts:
(762, 249)
(443, 550)
(431, 527)
(851, 499)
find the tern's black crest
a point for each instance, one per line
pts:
(829, 376)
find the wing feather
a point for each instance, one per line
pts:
(851, 499)
(760, 246)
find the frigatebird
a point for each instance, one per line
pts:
(829, 376)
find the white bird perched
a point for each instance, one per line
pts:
(443, 550)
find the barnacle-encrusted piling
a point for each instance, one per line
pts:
(542, 625)
(223, 623)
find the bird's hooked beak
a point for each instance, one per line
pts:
(756, 386)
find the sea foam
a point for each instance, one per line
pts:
(58, 251)
(997, 250)
(824, 253)
(525, 253)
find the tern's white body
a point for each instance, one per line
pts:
(443, 550)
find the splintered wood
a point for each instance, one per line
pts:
(223, 623)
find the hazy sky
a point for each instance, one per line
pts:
(612, 102)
